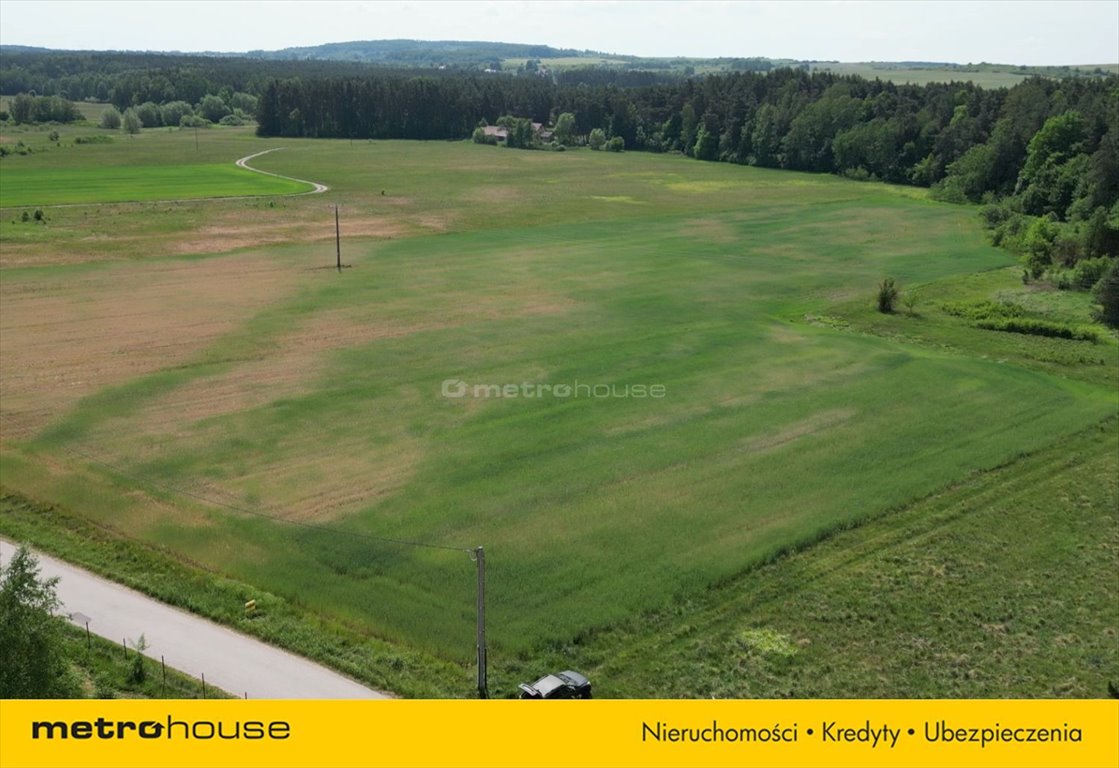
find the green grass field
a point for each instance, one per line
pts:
(986, 77)
(138, 183)
(196, 398)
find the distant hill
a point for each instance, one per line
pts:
(566, 65)
(422, 53)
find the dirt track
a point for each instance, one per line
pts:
(244, 163)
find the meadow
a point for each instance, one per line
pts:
(38, 186)
(196, 377)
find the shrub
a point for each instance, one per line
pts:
(993, 215)
(213, 108)
(1106, 293)
(1089, 271)
(136, 671)
(1034, 327)
(983, 310)
(33, 663)
(616, 144)
(172, 112)
(910, 300)
(150, 114)
(887, 295)
(110, 119)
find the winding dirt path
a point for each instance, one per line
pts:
(244, 163)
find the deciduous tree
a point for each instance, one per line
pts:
(32, 655)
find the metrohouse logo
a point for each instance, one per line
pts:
(169, 729)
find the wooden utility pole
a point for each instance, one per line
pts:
(483, 688)
(337, 238)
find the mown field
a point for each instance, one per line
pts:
(41, 186)
(197, 378)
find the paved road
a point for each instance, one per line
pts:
(231, 661)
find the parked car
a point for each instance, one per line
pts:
(562, 685)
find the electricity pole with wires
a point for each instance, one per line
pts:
(483, 686)
(337, 238)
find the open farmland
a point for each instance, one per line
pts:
(195, 376)
(32, 187)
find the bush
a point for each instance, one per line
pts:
(597, 139)
(1034, 327)
(130, 121)
(993, 215)
(983, 310)
(887, 295)
(172, 112)
(1106, 293)
(33, 662)
(910, 300)
(1089, 271)
(616, 144)
(136, 672)
(213, 108)
(150, 114)
(110, 119)
(29, 108)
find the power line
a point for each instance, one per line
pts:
(256, 513)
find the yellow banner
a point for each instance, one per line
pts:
(603, 734)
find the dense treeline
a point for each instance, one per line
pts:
(131, 79)
(25, 108)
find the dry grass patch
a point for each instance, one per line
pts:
(712, 230)
(231, 234)
(64, 339)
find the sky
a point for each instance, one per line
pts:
(1035, 32)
